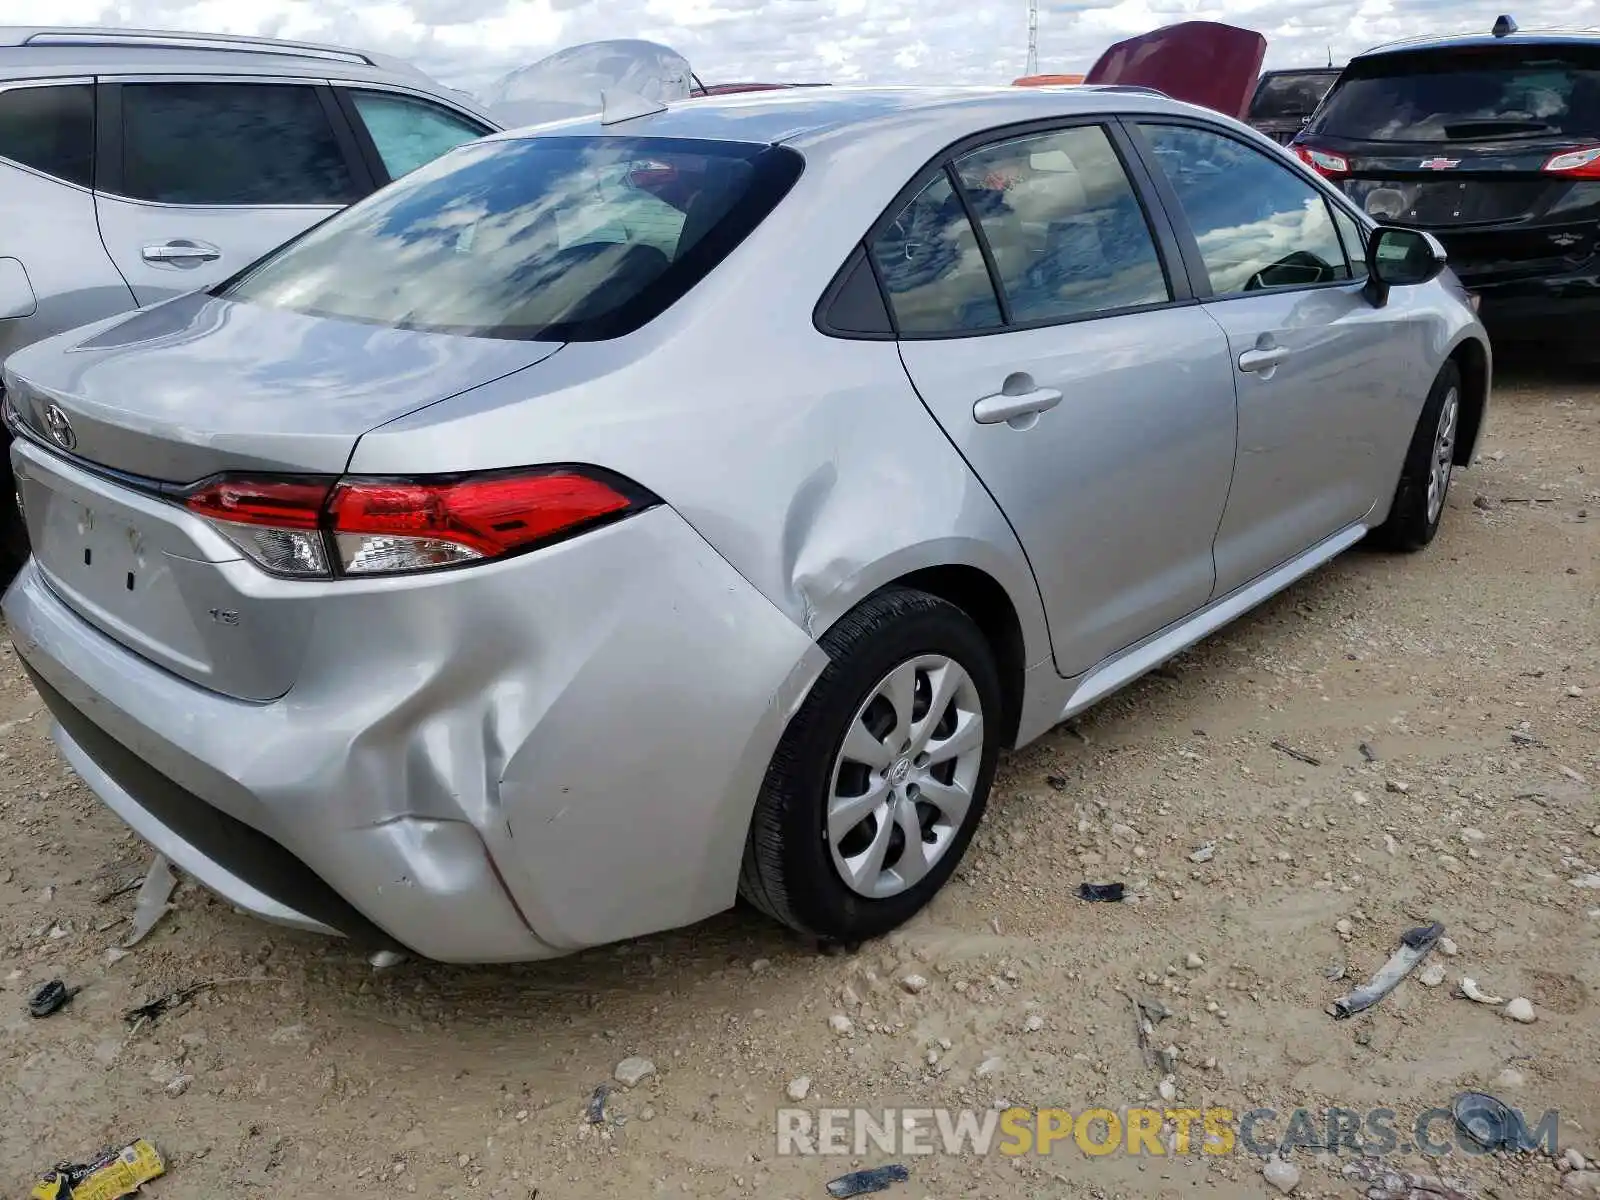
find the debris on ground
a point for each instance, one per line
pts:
(1204, 854)
(114, 1173)
(1143, 1027)
(1147, 1014)
(120, 888)
(860, 1183)
(1102, 893)
(152, 905)
(1297, 755)
(1391, 1183)
(1415, 945)
(1471, 990)
(50, 998)
(151, 1010)
(595, 1110)
(1367, 752)
(1491, 1123)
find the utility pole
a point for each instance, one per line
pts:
(1033, 38)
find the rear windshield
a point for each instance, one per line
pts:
(1290, 94)
(545, 238)
(1472, 94)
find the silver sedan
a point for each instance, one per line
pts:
(616, 518)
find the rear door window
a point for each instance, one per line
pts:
(932, 266)
(1258, 224)
(50, 129)
(408, 132)
(1467, 94)
(231, 143)
(548, 238)
(1064, 225)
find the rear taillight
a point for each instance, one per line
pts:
(381, 526)
(365, 526)
(274, 521)
(1323, 162)
(1575, 164)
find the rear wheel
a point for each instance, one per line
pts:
(882, 776)
(1425, 478)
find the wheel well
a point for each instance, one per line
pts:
(1473, 364)
(986, 602)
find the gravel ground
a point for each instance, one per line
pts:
(1470, 674)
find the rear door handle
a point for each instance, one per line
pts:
(991, 410)
(1263, 359)
(179, 253)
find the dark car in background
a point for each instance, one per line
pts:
(1492, 143)
(1284, 100)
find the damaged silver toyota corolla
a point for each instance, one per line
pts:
(605, 521)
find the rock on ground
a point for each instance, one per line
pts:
(631, 1072)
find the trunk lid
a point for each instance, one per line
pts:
(1498, 213)
(1455, 184)
(1202, 62)
(201, 385)
(185, 391)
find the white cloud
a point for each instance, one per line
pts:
(469, 43)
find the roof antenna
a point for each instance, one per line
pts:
(617, 106)
(1504, 26)
(1330, 55)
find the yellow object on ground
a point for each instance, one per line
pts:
(119, 1173)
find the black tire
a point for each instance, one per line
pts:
(1409, 526)
(788, 870)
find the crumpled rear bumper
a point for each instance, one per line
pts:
(508, 762)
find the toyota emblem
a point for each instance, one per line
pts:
(60, 428)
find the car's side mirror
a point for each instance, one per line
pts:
(1399, 257)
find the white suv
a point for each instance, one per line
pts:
(138, 165)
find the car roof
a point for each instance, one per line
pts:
(43, 51)
(1525, 38)
(804, 116)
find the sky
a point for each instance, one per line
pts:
(470, 43)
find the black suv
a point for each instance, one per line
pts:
(1492, 143)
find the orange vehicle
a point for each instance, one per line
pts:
(1045, 80)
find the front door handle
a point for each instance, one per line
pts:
(991, 410)
(1262, 359)
(181, 253)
